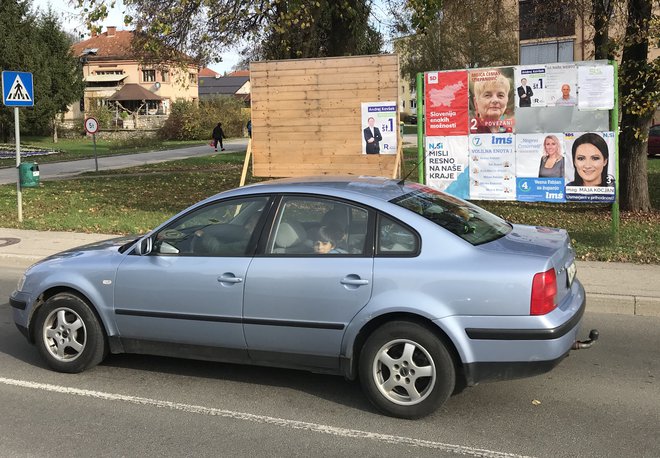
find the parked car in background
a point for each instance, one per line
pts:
(654, 141)
(410, 290)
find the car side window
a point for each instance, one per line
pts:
(315, 226)
(395, 238)
(219, 229)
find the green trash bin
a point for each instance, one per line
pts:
(28, 173)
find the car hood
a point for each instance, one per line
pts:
(91, 250)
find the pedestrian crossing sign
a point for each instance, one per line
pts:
(17, 89)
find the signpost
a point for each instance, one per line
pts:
(92, 127)
(17, 91)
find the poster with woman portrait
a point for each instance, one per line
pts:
(492, 101)
(540, 167)
(590, 166)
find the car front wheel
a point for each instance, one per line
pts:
(406, 370)
(68, 334)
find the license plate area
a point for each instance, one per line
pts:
(571, 270)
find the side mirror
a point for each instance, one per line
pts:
(144, 246)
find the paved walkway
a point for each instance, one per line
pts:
(58, 170)
(621, 288)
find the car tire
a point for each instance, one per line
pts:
(69, 335)
(405, 370)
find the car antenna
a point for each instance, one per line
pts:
(402, 181)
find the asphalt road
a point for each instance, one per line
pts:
(599, 402)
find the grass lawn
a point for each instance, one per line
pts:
(137, 199)
(67, 149)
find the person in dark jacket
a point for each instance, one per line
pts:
(218, 135)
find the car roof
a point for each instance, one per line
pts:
(376, 187)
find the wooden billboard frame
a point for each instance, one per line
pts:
(307, 119)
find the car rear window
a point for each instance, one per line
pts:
(471, 223)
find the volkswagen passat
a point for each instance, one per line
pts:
(410, 290)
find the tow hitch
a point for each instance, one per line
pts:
(580, 344)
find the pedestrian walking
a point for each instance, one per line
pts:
(218, 135)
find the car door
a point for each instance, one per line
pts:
(189, 288)
(298, 301)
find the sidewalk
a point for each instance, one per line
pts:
(58, 170)
(622, 288)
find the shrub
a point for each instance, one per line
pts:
(189, 121)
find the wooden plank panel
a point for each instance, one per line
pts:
(306, 115)
(386, 93)
(355, 69)
(330, 62)
(305, 80)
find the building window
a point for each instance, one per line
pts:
(165, 76)
(543, 53)
(148, 76)
(413, 103)
(193, 78)
(109, 72)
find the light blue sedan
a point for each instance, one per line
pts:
(414, 292)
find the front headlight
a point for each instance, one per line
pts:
(21, 282)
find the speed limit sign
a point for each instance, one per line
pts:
(91, 125)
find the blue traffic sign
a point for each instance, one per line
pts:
(17, 89)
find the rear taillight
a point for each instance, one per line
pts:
(544, 293)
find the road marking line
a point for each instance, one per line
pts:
(282, 422)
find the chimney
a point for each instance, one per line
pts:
(111, 30)
(93, 32)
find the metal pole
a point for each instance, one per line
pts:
(96, 158)
(19, 194)
(419, 85)
(614, 123)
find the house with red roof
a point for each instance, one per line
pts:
(116, 77)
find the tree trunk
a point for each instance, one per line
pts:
(55, 130)
(637, 82)
(633, 173)
(602, 10)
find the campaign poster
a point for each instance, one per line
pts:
(540, 167)
(596, 86)
(446, 103)
(447, 165)
(379, 127)
(492, 101)
(492, 167)
(561, 85)
(590, 166)
(530, 86)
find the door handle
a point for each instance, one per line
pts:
(354, 281)
(228, 279)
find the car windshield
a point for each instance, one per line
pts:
(471, 223)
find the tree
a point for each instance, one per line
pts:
(271, 29)
(639, 86)
(466, 33)
(57, 80)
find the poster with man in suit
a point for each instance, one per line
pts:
(379, 132)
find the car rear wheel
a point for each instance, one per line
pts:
(406, 370)
(68, 334)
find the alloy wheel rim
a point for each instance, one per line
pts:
(64, 334)
(404, 372)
